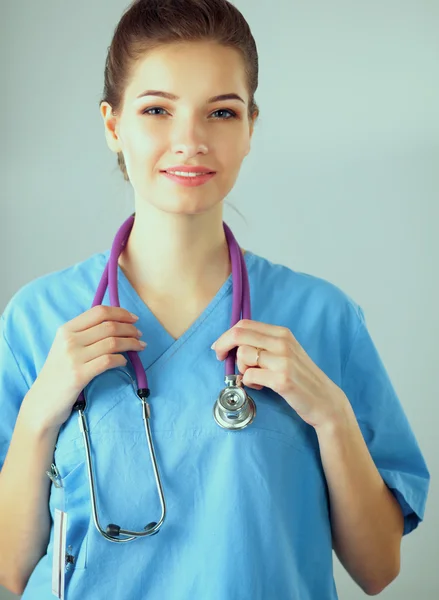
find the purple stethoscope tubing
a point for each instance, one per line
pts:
(240, 302)
(224, 409)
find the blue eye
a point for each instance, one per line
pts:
(146, 111)
(220, 110)
(233, 114)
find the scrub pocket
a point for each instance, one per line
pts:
(73, 498)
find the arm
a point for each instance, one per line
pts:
(367, 521)
(24, 497)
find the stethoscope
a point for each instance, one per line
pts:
(234, 409)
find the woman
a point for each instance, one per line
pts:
(328, 461)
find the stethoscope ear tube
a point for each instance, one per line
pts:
(113, 531)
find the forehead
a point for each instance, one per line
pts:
(190, 69)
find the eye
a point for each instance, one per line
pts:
(220, 110)
(146, 111)
(226, 110)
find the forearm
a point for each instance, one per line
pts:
(366, 519)
(24, 490)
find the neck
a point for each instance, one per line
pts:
(176, 256)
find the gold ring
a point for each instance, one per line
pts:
(258, 350)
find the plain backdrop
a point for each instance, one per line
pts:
(342, 180)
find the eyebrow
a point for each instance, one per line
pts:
(173, 97)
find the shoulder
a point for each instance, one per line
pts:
(38, 308)
(67, 282)
(292, 290)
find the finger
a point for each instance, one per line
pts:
(245, 358)
(237, 337)
(257, 327)
(267, 328)
(258, 378)
(96, 315)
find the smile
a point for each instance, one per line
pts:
(189, 179)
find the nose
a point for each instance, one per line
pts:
(190, 150)
(189, 138)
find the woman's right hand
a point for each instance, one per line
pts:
(84, 347)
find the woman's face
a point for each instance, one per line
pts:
(156, 133)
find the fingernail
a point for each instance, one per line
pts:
(135, 317)
(143, 343)
(213, 346)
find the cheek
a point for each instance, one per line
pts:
(145, 146)
(232, 153)
(143, 155)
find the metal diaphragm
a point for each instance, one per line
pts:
(234, 408)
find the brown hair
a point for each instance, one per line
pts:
(147, 24)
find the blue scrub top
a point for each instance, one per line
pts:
(247, 511)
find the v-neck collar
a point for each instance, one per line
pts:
(160, 342)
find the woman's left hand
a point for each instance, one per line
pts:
(285, 367)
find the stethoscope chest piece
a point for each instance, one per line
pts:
(234, 408)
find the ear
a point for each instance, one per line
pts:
(252, 125)
(111, 125)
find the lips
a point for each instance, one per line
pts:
(189, 181)
(189, 169)
(174, 171)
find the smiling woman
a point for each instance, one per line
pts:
(260, 489)
(182, 156)
(147, 26)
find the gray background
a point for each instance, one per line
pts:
(342, 181)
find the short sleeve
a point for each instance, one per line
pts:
(13, 389)
(385, 427)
